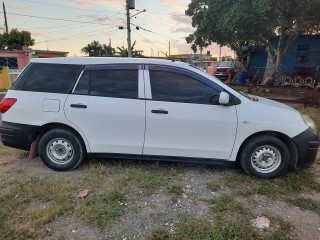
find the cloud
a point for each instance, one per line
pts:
(182, 29)
(173, 5)
(83, 4)
(98, 18)
(181, 19)
(36, 33)
(23, 9)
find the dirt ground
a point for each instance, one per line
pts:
(158, 210)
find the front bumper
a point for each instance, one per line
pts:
(307, 143)
(17, 135)
(222, 77)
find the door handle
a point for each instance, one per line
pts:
(78, 105)
(160, 111)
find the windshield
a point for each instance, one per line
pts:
(226, 64)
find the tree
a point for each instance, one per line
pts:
(123, 52)
(294, 17)
(244, 23)
(229, 23)
(110, 51)
(95, 49)
(16, 40)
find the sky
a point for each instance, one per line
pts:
(69, 25)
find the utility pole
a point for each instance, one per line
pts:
(169, 49)
(5, 18)
(128, 29)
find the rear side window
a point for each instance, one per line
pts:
(44, 77)
(119, 83)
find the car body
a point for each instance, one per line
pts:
(71, 108)
(226, 68)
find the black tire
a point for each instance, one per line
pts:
(61, 149)
(264, 157)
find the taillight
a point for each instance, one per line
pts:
(6, 103)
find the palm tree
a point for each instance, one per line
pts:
(93, 48)
(123, 52)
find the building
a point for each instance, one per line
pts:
(16, 60)
(302, 58)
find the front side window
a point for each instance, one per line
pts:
(45, 77)
(177, 87)
(120, 83)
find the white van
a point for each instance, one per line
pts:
(71, 108)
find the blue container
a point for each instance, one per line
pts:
(241, 77)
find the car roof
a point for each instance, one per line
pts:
(106, 60)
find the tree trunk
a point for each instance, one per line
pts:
(271, 67)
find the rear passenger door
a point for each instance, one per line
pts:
(107, 105)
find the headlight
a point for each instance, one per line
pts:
(309, 121)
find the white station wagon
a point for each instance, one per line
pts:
(147, 109)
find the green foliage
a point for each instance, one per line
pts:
(246, 22)
(123, 52)
(16, 40)
(95, 49)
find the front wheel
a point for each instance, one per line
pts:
(61, 149)
(264, 157)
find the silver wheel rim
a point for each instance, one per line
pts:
(60, 151)
(266, 159)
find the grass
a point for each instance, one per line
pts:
(175, 190)
(30, 203)
(305, 204)
(290, 184)
(213, 186)
(101, 209)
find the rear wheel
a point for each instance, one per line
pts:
(264, 157)
(61, 149)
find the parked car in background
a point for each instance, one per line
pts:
(228, 67)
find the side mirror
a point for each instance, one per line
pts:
(224, 98)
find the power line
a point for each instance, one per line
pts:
(150, 42)
(58, 19)
(78, 35)
(97, 4)
(63, 6)
(171, 14)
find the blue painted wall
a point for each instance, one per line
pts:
(303, 55)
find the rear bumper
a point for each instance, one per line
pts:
(307, 143)
(17, 135)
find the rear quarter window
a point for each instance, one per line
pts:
(44, 77)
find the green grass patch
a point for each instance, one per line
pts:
(101, 209)
(226, 203)
(212, 186)
(291, 183)
(30, 203)
(204, 229)
(305, 204)
(175, 190)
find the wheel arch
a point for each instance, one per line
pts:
(47, 127)
(293, 150)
